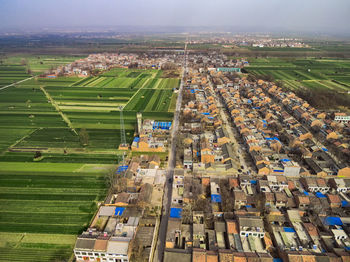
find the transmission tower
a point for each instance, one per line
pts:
(123, 143)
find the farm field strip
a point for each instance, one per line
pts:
(81, 108)
(12, 136)
(73, 156)
(58, 204)
(105, 103)
(135, 95)
(15, 83)
(168, 83)
(332, 74)
(64, 117)
(160, 101)
(40, 64)
(139, 100)
(12, 74)
(291, 84)
(59, 81)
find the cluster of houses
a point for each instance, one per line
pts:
(126, 224)
(266, 41)
(272, 218)
(214, 60)
(205, 139)
(331, 129)
(293, 206)
(278, 128)
(152, 136)
(105, 61)
(250, 40)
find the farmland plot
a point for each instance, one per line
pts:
(10, 74)
(333, 74)
(160, 101)
(40, 63)
(59, 81)
(58, 205)
(168, 83)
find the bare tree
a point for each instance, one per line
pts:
(24, 62)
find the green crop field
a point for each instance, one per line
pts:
(10, 74)
(39, 63)
(44, 206)
(91, 103)
(160, 101)
(45, 202)
(168, 83)
(326, 73)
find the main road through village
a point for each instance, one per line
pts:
(170, 170)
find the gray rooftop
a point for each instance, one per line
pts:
(117, 246)
(106, 211)
(85, 243)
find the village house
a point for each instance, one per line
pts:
(251, 226)
(240, 199)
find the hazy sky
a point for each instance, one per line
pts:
(294, 15)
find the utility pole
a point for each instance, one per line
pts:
(123, 145)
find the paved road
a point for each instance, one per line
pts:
(4, 87)
(170, 171)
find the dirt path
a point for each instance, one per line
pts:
(53, 102)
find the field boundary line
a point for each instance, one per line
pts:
(53, 102)
(144, 84)
(160, 80)
(20, 241)
(21, 139)
(4, 87)
(80, 80)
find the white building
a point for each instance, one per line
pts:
(341, 117)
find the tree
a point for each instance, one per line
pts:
(279, 83)
(28, 103)
(251, 77)
(133, 65)
(169, 66)
(186, 214)
(227, 203)
(137, 251)
(51, 69)
(84, 137)
(120, 184)
(37, 154)
(110, 178)
(24, 62)
(117, 183)
(61, 73)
